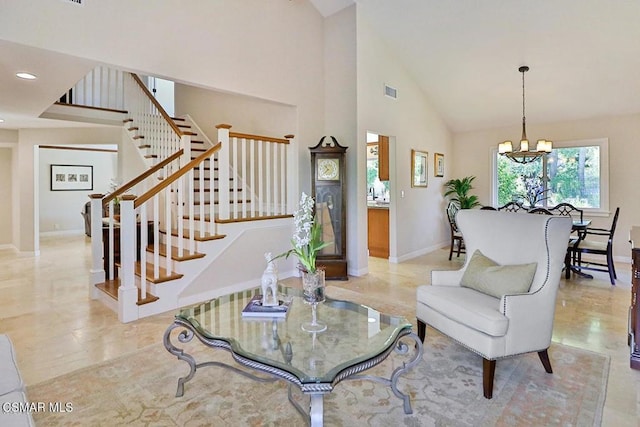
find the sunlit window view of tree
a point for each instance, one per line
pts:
(569, 175)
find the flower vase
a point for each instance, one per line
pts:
(313, 293)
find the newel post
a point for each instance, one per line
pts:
(223, 171)
(127, 292)
(96, 273)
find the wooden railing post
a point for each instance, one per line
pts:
(96, 273)
(128, 292)
(223, 171)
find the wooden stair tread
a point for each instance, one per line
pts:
(205, 237)
(177, 119)
(216, 202)
(163, 276)
(138, 137)
(174, 253)
(110, 287)
(144, 146)
(205, 160)
(251, 218)
(134, 128)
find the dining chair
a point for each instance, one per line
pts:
(597, 247)
(540, 211)
(457, 241)
(567, 209)
(512, 207)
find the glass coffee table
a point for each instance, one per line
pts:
(357, 338)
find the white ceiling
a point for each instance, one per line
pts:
(22, 101)
(584, 57)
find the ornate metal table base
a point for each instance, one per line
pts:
(316, 391)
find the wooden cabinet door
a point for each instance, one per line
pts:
(378, 232)
(383, 158)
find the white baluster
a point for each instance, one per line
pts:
(223, 171)
(243, 149)
(268, 176)
(252, 168)
(260, 179)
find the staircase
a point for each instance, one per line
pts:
(196, 223)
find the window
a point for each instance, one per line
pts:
(574, 172)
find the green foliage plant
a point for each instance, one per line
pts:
(459, 190)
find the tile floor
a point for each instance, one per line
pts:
(56, 328)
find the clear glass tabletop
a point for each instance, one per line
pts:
(355, 333)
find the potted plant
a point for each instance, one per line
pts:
(460, 189)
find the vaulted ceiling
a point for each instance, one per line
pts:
(584, 57)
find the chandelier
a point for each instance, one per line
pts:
(524, 154)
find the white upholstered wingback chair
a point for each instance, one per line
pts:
(516, 322)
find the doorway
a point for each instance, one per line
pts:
(378, 195)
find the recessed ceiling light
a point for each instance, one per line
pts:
(26, 76)
(1, 120)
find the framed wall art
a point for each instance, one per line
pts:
(438, 164)
(419, 168)
(71, 178)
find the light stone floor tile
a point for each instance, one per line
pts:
(56, 328)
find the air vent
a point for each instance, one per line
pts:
(391, 92)
(76, 2)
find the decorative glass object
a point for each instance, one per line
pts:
(313, 293)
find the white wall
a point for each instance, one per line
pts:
(9, 140)
(6, 171)
(266, 49)
(472, 157)
(61, 210)
(340, 107)
(245, 114)
(412, 123)
(26, 223)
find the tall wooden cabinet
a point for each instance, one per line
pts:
(328, 188)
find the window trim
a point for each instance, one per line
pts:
(603, 143)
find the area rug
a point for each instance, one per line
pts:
(446, 389)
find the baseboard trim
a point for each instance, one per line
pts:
(414, 254)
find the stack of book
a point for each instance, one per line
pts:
(255, 308)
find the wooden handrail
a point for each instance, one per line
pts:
(259, 138)
(174, 177)
(155, 102)
(142, 177)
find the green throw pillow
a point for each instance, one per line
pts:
(486, 276)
